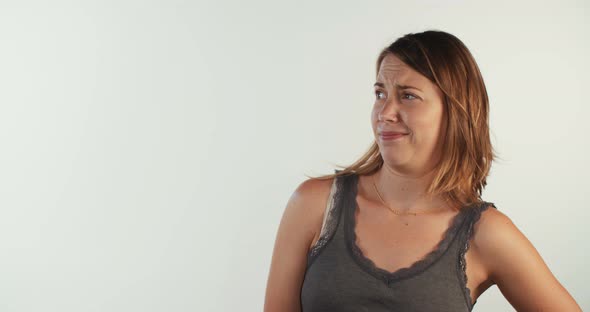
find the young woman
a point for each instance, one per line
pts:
(404, 228)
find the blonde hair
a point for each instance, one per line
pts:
(467, 155)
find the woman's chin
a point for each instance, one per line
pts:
(395, 159)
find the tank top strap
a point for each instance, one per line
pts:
(332, 216)
(464, 239)
(472, 217)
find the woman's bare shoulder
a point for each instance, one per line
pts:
(312, 197)
(301, 218)
(516, 266)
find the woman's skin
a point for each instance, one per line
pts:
(408, 162)
(407, 102)
(499, 253)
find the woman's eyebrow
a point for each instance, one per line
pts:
(379, 84)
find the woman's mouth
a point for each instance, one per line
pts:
(391, 137)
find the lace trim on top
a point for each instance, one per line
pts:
(329, 224)
(465, 246)
(402, 273)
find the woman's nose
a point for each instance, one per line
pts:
(389, 111)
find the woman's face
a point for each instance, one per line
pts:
(407, 102)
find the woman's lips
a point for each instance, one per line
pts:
(391, 137)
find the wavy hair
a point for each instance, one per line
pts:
(467, 155)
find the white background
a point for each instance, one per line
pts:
(148, 148)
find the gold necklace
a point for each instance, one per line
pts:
(393, 210)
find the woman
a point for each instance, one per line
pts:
(404, 228)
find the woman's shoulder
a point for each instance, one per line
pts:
(311, 197)
(314, 189)
(300, 220)
(516, 267)
(497, 239)
(491, 226)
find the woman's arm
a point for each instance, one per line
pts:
(516, 266)
(301, 220)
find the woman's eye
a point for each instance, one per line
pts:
(377, 94)
(410, 94)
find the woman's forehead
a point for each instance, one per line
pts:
(393, 69)
(404, 77)
(394, 73)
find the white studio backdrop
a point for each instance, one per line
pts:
(148, 148)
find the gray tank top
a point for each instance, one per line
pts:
(339, 278)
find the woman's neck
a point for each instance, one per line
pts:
(405, 193)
